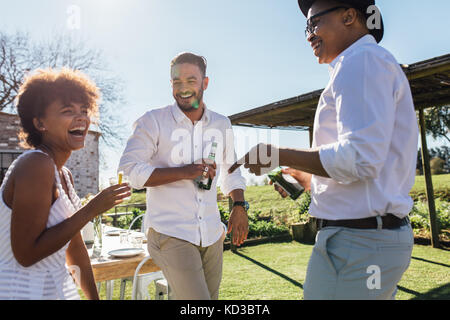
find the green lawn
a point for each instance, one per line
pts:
(276, 271)
(441, 186)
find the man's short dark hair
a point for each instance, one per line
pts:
(187, 57)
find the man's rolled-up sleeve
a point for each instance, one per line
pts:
(141, 146)
(229, 182)
(364, 91)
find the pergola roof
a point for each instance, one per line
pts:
(430, 86)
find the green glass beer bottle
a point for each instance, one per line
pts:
(293, 189)
(205, 183)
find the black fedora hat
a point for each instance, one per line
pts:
(361, 5)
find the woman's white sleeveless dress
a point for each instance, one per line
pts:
(49, 278)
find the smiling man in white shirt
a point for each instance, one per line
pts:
(361, 167)
(166, 154)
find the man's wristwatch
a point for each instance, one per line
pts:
(242, 204)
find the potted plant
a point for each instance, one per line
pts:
(305, 230)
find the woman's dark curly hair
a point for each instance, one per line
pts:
(45, 86)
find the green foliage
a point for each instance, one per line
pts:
(260, 228)
(304, 202)
(124, 222)
(437, 122)
(419, 215)
(442, 153)
(437, 166)
(224, 214)
(257, 226)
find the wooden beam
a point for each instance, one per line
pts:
(429, 182)
(426, 71)
(432, 103)
(260, 115)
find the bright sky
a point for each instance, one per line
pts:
(256, 49)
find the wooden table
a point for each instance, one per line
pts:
(107, 268)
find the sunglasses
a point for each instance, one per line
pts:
(311, 25)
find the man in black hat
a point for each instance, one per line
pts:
(361, 166)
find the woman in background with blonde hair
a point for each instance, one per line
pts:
(40, 214)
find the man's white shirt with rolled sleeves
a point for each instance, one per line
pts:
(167, 138)
(367, 133)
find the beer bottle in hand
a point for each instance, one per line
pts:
(202, 182)
(292, 187)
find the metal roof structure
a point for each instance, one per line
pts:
(429, 81)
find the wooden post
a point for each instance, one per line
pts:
(230, 207)
(429, 182)
(311, 137)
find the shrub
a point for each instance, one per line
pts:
(420, 218)
(224, 214)
(437, 166)
(257, 228)
(304, 203)
(265, 229)
(125, 221)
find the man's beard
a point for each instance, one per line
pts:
(190, 107)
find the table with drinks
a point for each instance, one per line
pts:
(111, 266)
(118, 258)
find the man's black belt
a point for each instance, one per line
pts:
(387, 222)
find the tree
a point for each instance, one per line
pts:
(437, 166)
(20, 55)
(437, 122)
(442, 153)
(14, 64)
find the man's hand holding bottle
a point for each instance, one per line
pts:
(303, 178)
(195, 170)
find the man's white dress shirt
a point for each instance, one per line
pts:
(367, 132)
(167, 138)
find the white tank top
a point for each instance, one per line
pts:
(49, 278)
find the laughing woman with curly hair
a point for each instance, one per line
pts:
(40, 214)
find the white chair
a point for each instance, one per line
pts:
(123, 282)
(109, 288)
(161, 282)
(142, 281)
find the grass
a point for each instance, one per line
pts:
(441, 186)
(277, 271)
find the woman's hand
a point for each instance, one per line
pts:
(108, 198)
(302, 177)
